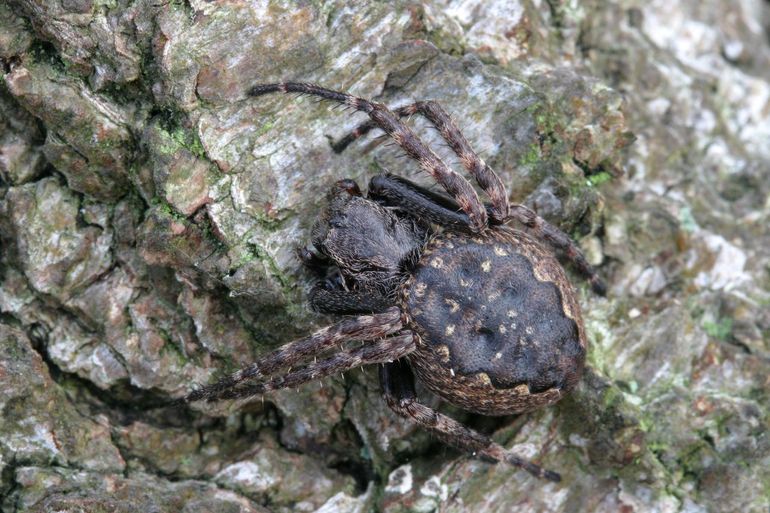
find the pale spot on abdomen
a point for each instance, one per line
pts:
(468, 305)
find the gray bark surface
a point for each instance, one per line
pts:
(149, 213)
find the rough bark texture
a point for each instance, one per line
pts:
(149, 212)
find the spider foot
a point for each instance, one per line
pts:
(535, 470)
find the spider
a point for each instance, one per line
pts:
(435, 286)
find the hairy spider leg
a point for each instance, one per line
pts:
(317, 263)
(417, 201)
(329, 295)
(500, 210)
(544, 230)
(383, 351)
(485, 176)
(363, 129)
(364, 328)
(397, 381)
(347, 302)
(455, 184)
(421, 202)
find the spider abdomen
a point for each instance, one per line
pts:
(498, 323)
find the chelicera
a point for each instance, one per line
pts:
(435, 285)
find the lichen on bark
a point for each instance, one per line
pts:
(150, 210)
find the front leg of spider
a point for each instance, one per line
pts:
(482, 314)
(500, 209)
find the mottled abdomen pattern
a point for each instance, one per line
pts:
(497, 315)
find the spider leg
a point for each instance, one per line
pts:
(397, 383)
(317, 263)
(417, 201)
(365, 327)
(387, 350)
(329, 295)
(561, 241)
(338, 301)
(363, 129)
(425, 204)
(485, 176)
(457, 186)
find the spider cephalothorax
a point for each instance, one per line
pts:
(482, 313)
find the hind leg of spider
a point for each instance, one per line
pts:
(543, 230)
(383, 351)
(455, 184)
(397, 383)
(485, 176)
(361, 328)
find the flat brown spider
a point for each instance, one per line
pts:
(482, 313)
